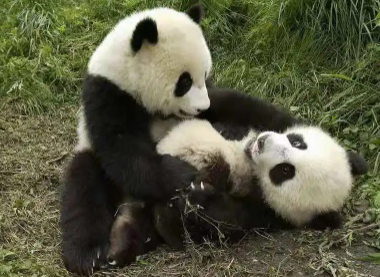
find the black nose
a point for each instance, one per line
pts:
(261, 142)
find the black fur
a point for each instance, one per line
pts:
(238, 110)
(132, 234)
(196, 13)
(281, 173)
(146, 29)
(89, 200)
(119, 131)
(359, 166)
(183, 85)
(332, 220)
(239, 215)
(123, 161)
(294, 138)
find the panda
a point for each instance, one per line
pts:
(253, 178)
(147, 74)
(297, 178)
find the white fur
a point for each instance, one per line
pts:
(198, 143)
(160, 127)
(83, 143)
(150, 75)
(322, 181)
(323, 177)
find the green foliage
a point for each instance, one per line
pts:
(374, 258)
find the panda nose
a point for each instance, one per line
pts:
(261, 142)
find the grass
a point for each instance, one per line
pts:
(320, 59)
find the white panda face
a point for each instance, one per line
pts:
(303, 172)
(161, 58)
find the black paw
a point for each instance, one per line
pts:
(127, 243)
(200, 195)
(85, 261)
(176, 175)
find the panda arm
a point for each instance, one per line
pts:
(131, 163)
(231, 107)
(118, 128)
(221, 207)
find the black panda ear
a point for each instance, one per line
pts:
(196, 13)
(146, 29)
(358, 164)
(332, 220)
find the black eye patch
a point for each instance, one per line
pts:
(183, 85)
(281, 173)
(297, 141)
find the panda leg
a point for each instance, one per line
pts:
(168, 223)
(132, 233)
(86, 216)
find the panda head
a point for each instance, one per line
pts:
(304, 172)
(161, 58)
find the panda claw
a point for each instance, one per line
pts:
(200, 207)
(202, 186)
(112, 262)
(192, 186)
(170, 205)
(98, 253)
(93, 263)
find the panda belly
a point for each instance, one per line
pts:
(201, 145)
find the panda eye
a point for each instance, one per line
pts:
(281, 173)
(183, 85)
(296, 143)
(186, 81)
(285, 169)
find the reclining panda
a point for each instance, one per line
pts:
(296, 176)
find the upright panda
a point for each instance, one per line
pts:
(152, 66)
(297, 176)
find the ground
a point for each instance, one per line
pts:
(321, 61)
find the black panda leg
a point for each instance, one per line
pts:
(86, 216)
(132, 233)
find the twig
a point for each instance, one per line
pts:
(58, 159)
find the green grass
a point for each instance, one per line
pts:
(319, 58)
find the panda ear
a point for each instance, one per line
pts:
(195, 13)
(358, 164)
(146, 29)
(331, 219)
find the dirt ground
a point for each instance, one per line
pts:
(33, 153)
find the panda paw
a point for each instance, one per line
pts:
(86, 261)
(176, 175)
(199, 195)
